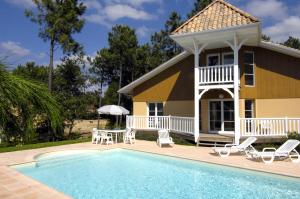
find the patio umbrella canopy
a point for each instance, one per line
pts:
(112, 110)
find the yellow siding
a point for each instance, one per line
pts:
(278, 108)
(140, 108)
(179, 108)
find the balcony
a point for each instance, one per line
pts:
(216, 75)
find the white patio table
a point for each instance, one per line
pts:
(116, 132)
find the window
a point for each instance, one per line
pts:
(155, 109)
(249, 68)
(213, 59)
(249, 109)
(228, 58)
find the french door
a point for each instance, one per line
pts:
(221, 116)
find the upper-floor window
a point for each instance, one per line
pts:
(213, 59)
(228, 58)
(155, 109)
(249, 68)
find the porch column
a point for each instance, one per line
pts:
(196, 91)
(236, 76)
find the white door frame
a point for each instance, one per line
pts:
(222, 115)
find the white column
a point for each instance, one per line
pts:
(196, 91)
(236, 92)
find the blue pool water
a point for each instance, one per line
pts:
(127, 174)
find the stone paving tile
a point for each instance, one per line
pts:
(14, 185)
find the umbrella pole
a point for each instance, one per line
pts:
(98, 121)
(117, 120)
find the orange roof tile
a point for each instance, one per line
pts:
(217, 15)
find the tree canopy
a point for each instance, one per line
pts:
(26, 106)
(292, 42)
(198, 6)
(58, 20)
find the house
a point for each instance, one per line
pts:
(227, 81)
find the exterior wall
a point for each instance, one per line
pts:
(140, 108)
(179, 108)
(174, 108)
(278, 108)
(173, 84)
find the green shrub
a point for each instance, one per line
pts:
(295, 136)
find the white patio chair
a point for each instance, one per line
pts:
(103, 136)
(129, 136)
(286, 150)
(245, 146)
(164, 138)
(94, 135)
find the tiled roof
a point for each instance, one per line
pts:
(219, 14)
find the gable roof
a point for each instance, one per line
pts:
(129, 88)
(219, 14)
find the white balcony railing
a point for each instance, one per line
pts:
(269, 126)
(222, 74)
(171, 123)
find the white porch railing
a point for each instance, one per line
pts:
(269, 126)
(171, 123)
(216, 74)
(259, 127)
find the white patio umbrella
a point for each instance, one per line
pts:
(112, 110)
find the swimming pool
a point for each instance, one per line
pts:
(122, 173)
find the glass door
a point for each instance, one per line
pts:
(228, 120)
(215, 117)
(221, 116)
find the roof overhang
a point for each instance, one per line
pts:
(129, 88)
(251, 33)
(280, 48)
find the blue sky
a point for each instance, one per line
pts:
(19, 40)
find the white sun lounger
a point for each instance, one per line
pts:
(286, 150)
(233, 148)
(164, 138)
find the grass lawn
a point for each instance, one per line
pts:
(41, 145)
(152, 136)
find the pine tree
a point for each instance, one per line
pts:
(58, 21)
(198, 6)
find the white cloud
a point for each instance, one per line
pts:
(115, 12)
(282, 30)
(93, 4)
(10, 48)
(143, 31)
(22, 3)
(137, 3)
(274, 9)
(98, 19)
(105, 13)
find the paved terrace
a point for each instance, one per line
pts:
(15, 185)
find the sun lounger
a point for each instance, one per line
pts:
(286, 150)
(245, 146)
